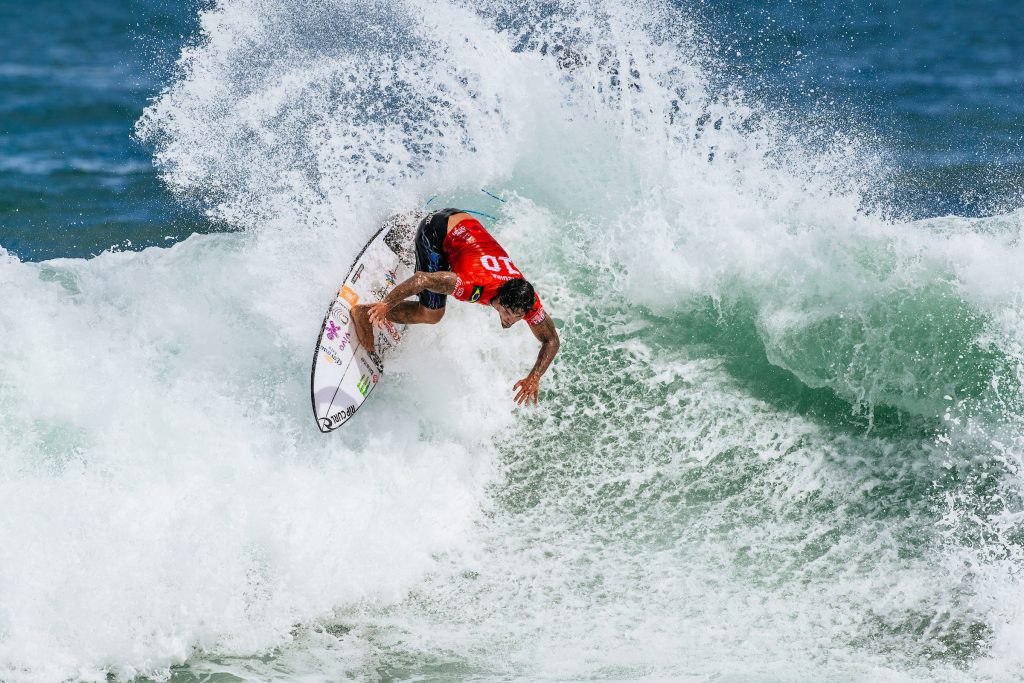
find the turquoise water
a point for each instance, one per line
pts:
(781, 441)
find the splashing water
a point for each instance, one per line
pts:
(781, 441)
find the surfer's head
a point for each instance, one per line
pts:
(514, 300)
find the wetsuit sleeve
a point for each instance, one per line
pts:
(537, 314)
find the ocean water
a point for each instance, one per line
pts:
(782, 440)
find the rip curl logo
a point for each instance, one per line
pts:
(478, 291)
(336, 420)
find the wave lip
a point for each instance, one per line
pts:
(914, 320)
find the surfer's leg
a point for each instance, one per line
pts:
(364, 330)
(430, 258)
(412, 313)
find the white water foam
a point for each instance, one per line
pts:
(161, 490)
(165, 493)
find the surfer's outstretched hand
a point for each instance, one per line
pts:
(528, 388)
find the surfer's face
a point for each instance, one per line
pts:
(508, 317)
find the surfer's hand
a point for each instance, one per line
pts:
(528, 388)
(378, 312)
(364, 328)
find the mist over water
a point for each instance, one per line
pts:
(781, 440)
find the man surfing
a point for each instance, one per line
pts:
(455, 255)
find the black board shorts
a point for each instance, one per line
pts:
(430, 256)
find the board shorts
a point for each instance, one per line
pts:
(430, 256)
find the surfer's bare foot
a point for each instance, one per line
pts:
(364, 328)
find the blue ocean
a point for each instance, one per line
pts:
(781, 242)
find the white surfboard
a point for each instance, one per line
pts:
(344, 373)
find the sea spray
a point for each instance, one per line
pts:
(780, 441)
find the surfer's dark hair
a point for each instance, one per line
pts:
(516, 295)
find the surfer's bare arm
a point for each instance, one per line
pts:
(528, 387)
(442, 282)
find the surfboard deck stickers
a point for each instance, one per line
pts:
(344, 373)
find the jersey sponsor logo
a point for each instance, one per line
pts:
(348, 295)
(363, 385)
(478, 291)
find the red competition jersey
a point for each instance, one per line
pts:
(481, 266)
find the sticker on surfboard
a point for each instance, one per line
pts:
(344, 373)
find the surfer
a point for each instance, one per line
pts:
(455, 255)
